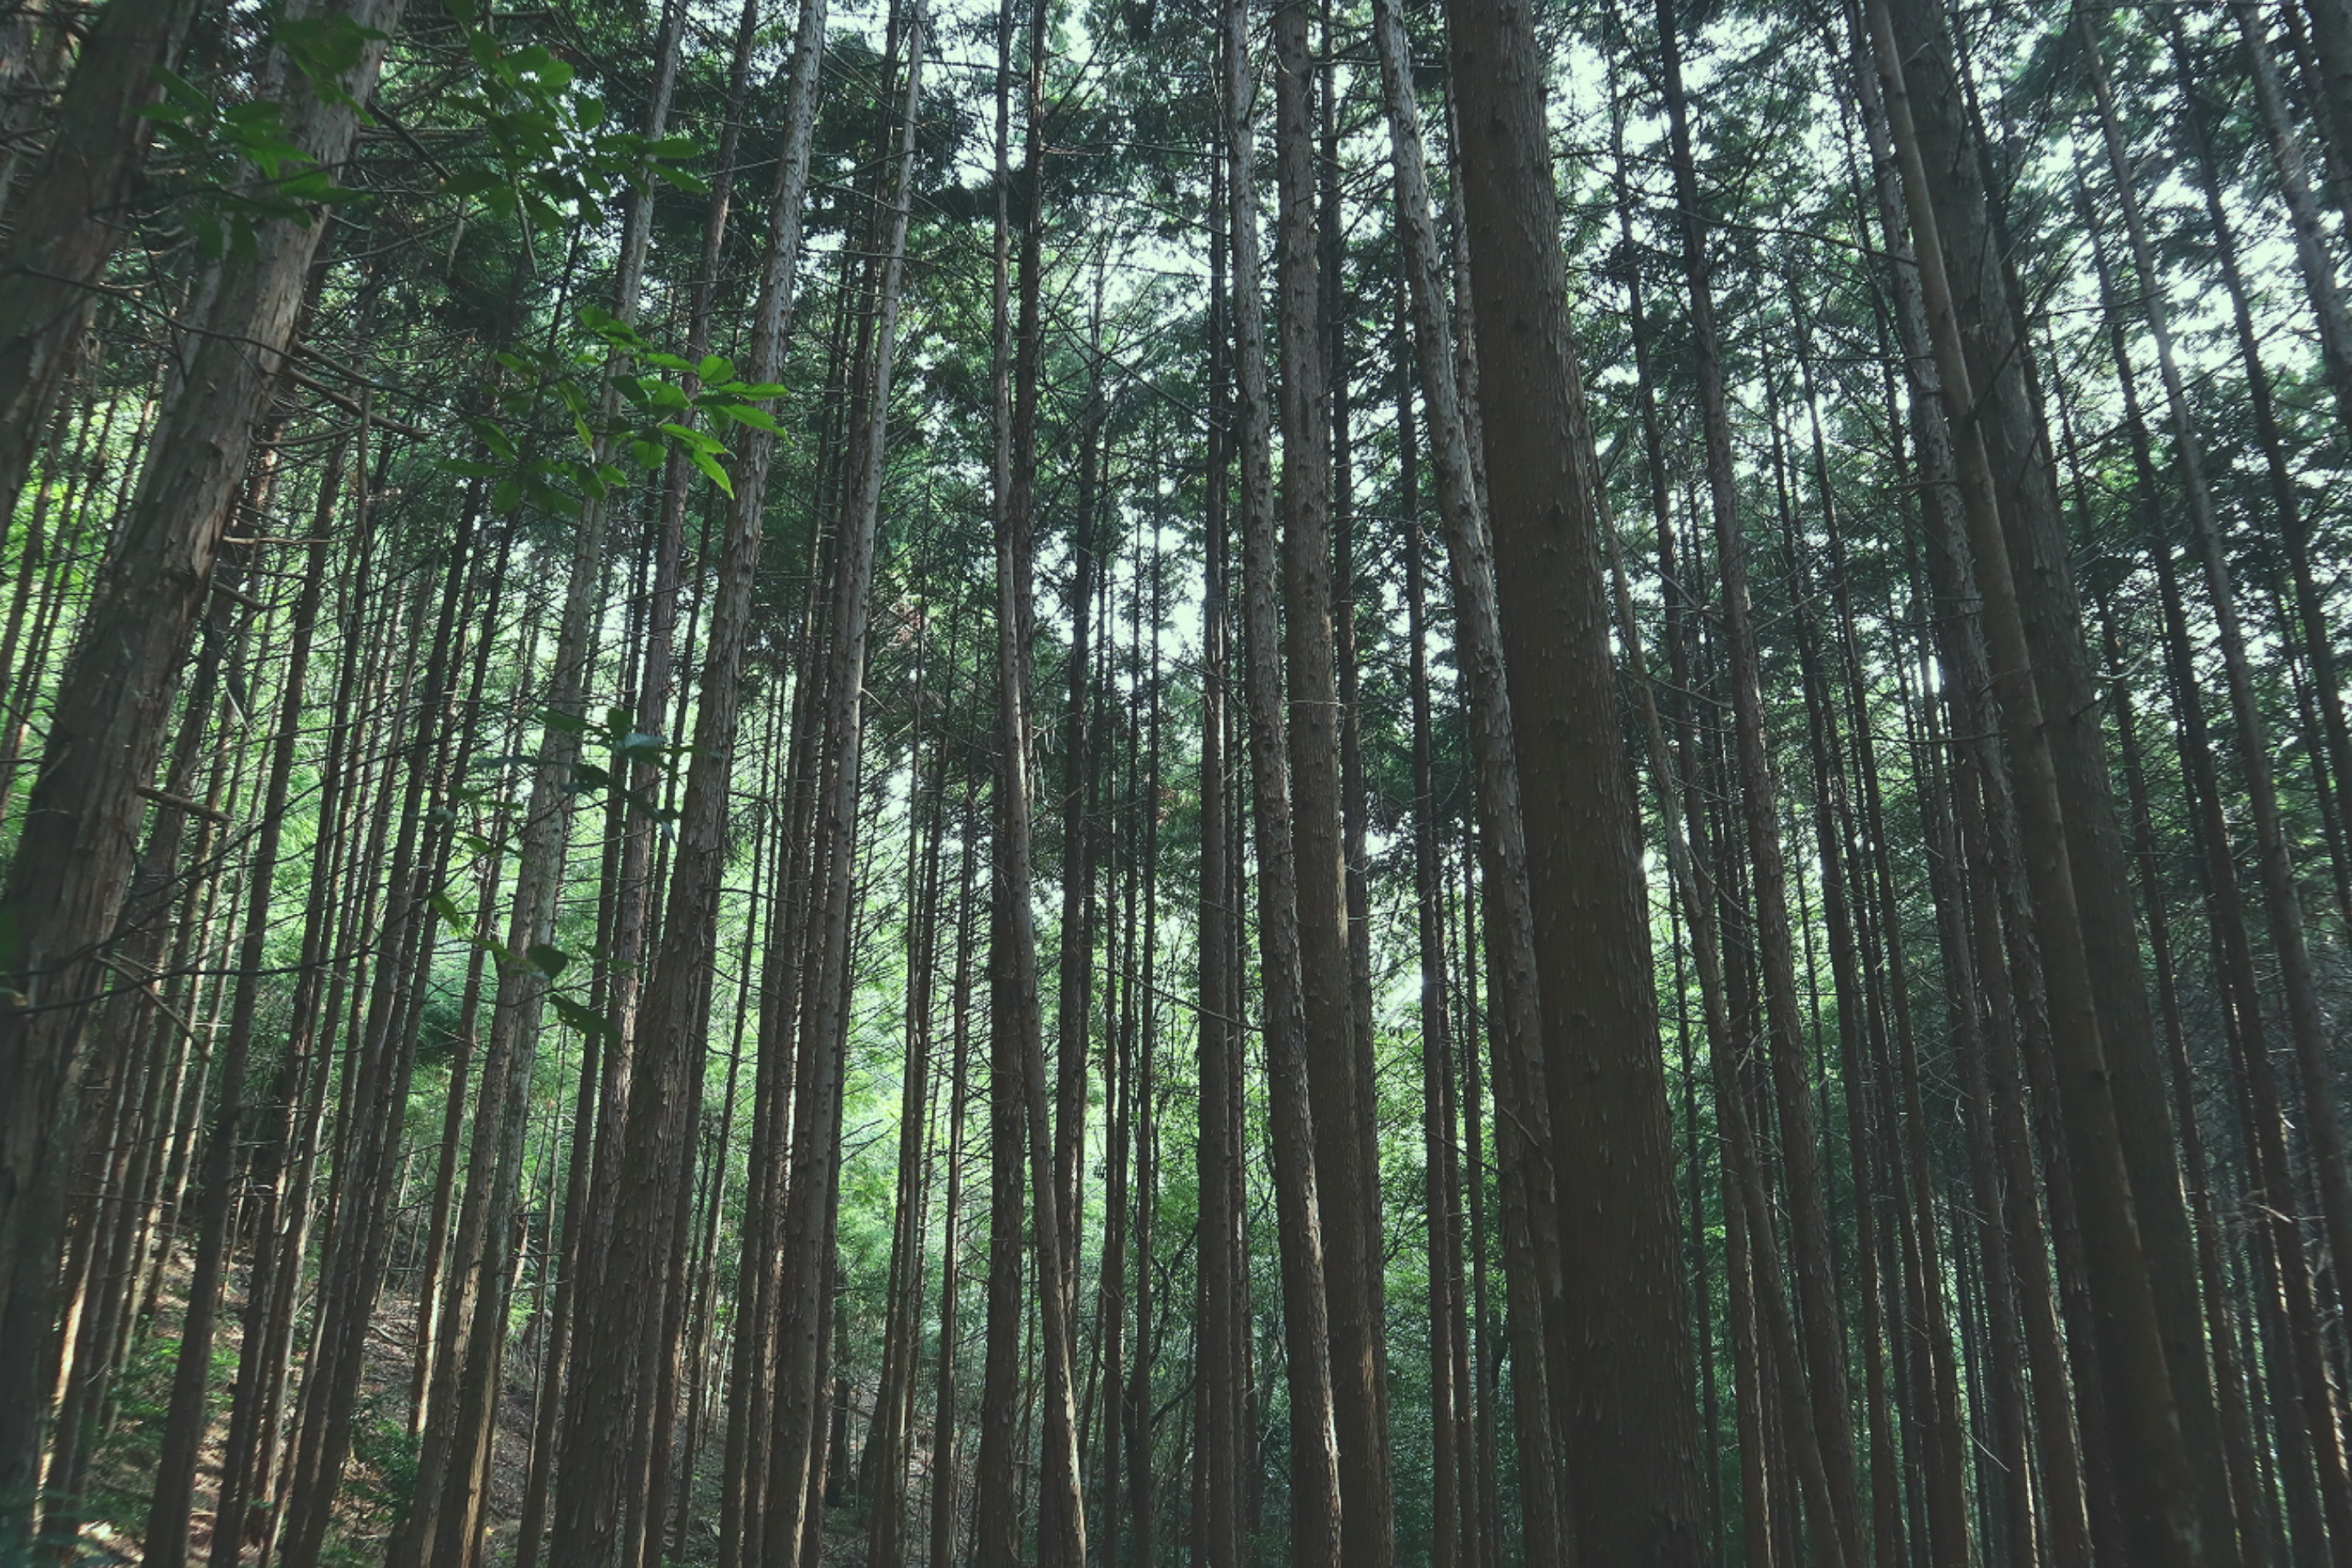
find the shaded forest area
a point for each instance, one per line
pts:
(1175, 781)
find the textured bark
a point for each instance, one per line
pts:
(1439, 1202)
(70, 217)
(1349, 1188)
(2272, 1170)
(883, 1482)
(69, 876)
(1220, 1336)
(942, 1499)
(1530, 1211)
(1315, 1495)
(996, 1503)
(1015, 1017)
(1630, 1449)
(792, 1507)
(2001, 369)
(166, 1540)
(2162, 1505)
(1798, 1119)
(2308, 1024)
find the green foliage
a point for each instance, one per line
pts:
(241, 165)
(547, 152)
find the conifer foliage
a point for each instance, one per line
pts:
(1103, 782)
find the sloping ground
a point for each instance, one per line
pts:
(380, 1472)
(375, 1481)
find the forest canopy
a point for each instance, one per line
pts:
(1214, 782)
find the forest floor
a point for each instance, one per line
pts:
(376, 1480)
(381, 1470)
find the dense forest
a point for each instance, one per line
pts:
(1138, 782)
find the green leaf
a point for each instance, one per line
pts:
(709, 466)
(715, 367)
(692, 439)
(570, 724)
(496, 440)
(744, 413)
(182, 91)
(578, 1015)
(549, 961)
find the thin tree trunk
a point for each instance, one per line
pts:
(1315, 1495)
(791, 1509)
(1348, 1189)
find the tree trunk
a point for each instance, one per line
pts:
(68, 221)
(1317, 1523)
(2162, 1515)
(1631, 1447)
(68, 878)
(791, 1509)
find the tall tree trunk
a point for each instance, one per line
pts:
(1530, 1211)
(792, 1508)
(1317, 1523)
(166, 1540)
(2162, 1514)
(70, 217)
(1220, 1335)
(1824, 1339)
(1631, 1447)
(2282, 899)
(67, 878)
(995, 1505)
(2001, 369)
(1347, 1188)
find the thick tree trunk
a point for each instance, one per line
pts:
(67, 878)
(2162, 1512)
(1631, 1448)
(71, 215)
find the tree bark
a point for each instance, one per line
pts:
(1631, 1444)
(71, 215)
(67, 878)
(1316, 1540)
